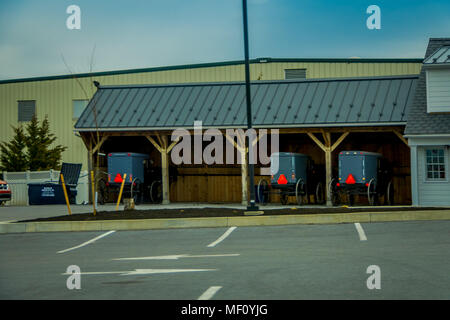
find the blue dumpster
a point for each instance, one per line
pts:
(48, 193)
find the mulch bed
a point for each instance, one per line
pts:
(211, 212)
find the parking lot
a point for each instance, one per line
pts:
(271, 262)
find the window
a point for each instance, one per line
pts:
(294, 74)
(27, 110)
(78, 107)
(435, 164)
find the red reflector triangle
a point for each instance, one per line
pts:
(118, 178)
(282, 179)
(350, 179)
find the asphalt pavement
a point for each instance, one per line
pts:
(396, 260)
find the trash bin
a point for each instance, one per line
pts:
(48, 193)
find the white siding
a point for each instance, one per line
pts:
(438, 90)
(432, 193)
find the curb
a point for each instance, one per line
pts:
(241, 221)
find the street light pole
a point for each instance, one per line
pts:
(251, 168)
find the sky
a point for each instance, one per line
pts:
(117, 35)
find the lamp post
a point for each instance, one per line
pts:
(251, 168)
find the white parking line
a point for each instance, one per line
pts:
(88, 242)
(208, 294)
(139, 272)
(362, 235)
(222, 237)
(179, 256)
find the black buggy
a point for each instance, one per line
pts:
(362, 173)
(292, 174)
(142, 180)
(128, 167)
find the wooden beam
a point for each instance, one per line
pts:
(231, 140)
(157, 146)
(161, 143)
(326, 138)
(317, 141)
(173, 144)
(99, 144)
(338, 141)
(401, 137)
(258, 138)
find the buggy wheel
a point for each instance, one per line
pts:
(351, 199)
(333, 193)
(102, 191)
(372, 192)
(300, 192)
(136, 191)
(389, 197)
(320, 198)
(156, 191)
(263, 192)
(283, 198)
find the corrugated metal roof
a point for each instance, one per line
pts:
(288, 103)
(439, 57)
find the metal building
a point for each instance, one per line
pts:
(63, 98)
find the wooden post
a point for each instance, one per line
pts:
(165, 170)
(90, 168)
(93, 192)
(328, 149)
(164, 149)
(244, 177)
(328, 173)
(244, 168)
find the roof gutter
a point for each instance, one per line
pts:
(273, 126)
(436, 135)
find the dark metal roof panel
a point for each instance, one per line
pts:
(274, 103)
(440, 56)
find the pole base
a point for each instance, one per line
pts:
(252, 206)
(253, 213)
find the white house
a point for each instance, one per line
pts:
(428, 128)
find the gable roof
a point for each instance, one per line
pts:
(419, 121)
(440, 57)
(282, 103)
